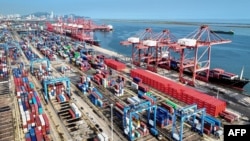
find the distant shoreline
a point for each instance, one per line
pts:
(196, 23)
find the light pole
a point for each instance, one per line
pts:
(111, 106)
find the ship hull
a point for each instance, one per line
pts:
(222, 32)
(235, 83)
(96, 43)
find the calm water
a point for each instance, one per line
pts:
(231, 57)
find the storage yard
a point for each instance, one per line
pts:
(55, 87)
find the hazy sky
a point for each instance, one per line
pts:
(134, 9)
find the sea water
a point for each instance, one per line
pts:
(231, 56)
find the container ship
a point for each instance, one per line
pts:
(217, 76)
(223, 32)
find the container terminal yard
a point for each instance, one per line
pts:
(57, 85)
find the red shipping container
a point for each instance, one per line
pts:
(229, 118)
(39, 136)
(72, 113)
(47, 125)
(206, 131)
(46, 138)
(169, 108)
(193, 96)
(120, 106)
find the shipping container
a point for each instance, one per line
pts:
(183, 93)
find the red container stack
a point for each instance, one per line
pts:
(185, 94)
(114, 64)
(46, 120)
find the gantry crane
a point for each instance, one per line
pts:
(202, 37)
(187, 113)
(53, 81)
(139, 50)
(130, 110)
(38, 61)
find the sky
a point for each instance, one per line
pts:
(133, 9)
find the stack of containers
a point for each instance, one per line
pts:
(3, 66)
(162, 115)
(134, 100)
(119, 110)
(74, 111)
(118, 87)
(183, 93)
(96, 97)
(14, 53)
(143, 94)
(35, 126)
(229, 116)
(114, 64)
(29, 54)
(57, 91)
(84, 66)
(136, 82)
(172, 104)
(97, 78)
(65, 69)
(84, 84)
(168, 107)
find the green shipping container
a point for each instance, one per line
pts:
(137, 134)
(76, 54)
(172, 104)
(148, 93)
(68, 47)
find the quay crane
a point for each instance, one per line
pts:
(139, 50)
(202, 37)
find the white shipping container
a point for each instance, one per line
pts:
(42, 120)
(105, 136)
(126, 130)
(21, 108)
(27, 114)
(25, 130)
(187, 42)
(131, 101)
(64, 99)
(136, 99)
(134, 39)
(104, 82)
(100, 137)
(24, 123)
(176, 137)
(134, 85)
(151, 122)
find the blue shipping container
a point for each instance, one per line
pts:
(154, 131)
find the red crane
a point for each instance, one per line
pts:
(158, 50)
(200, 61)
(139, 49)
